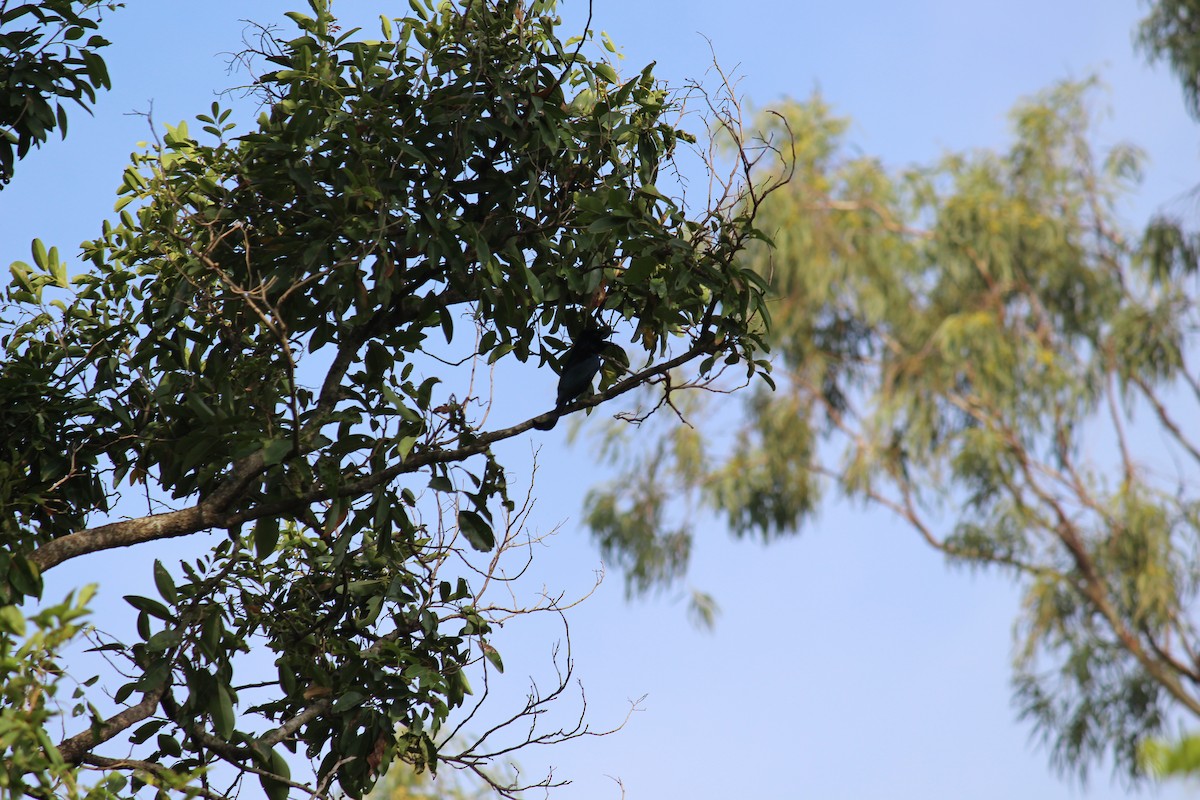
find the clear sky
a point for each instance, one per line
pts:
(848, 662)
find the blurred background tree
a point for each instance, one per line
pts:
(404, 783)
(983, 347)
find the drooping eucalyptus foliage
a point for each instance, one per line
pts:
(1171, 32)
(982, 347)
(270, 342)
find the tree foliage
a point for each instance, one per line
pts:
(44, 61)
(1171, 31)
(981, 347)
(403, 783)
(1177, 759)
(278, 339)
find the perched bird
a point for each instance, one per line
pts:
(579, 368)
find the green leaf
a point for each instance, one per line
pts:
(276, 790)
(303, 21)
(164, 640)
(477, 530)
(639, 270)
(266, 536)
(405, 446)
(58, 270)
(24, 576)
(40, 256)
(446, 317)
(536, 292)
(607, 223)
(143, 732)
(20, 275)
(351, 699)
(275, 451)
(493, 655)
(12, 620)
(1165, 758)
(202, 409)
(168, 745)
(151, 607)
(220, 708)
(124, 692)
(606, 72)
(166, 586)
(650, 190)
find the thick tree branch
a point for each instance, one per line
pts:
(75, 748)
(211, 513)
(1094, 589)
(103, 762)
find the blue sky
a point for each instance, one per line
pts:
(848, 662)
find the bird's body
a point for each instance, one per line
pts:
(579, 368)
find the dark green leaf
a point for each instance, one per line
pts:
(476, 529)
(266, 536)
(348, 700)
(220, 708)
(275, 451)
(152, 607)
(166, 586)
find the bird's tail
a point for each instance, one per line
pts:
(547, 424)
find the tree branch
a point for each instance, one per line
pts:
(75, 748)
(210, 513)
(147, 766)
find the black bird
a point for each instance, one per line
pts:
(579, 368)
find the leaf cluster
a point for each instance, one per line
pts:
(44, 62)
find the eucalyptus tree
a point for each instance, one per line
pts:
(983, 348)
